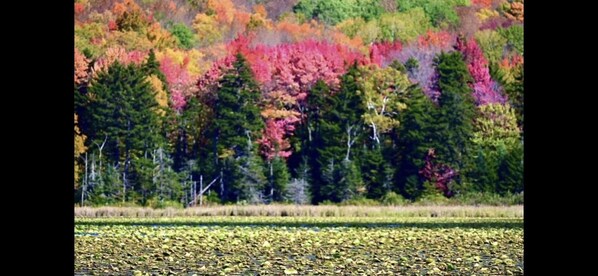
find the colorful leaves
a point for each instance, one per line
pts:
(180, 83)
(207, 29)
(81, 68)
(119, 54)
(496, 125)
(438, 173)
(383, 93)
(485, 90)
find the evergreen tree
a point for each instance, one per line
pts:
(152, 66)
(515, 92)
(510, 172)
(280, 178)
(308, 139)
(190, 133)
(457, 111)
(484, 172)
(416, 135)
(341, 129)
(374, 173)
(237, 123)
(122, 111)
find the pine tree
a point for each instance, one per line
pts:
(514, 90)
(122, 111)
(308, 139)
(341, 130)
(237, 122)
(416, 135)
(152, 66)
(190, 133)
(484, 172)
(374, 173)
(280, 178)
(457, 111)
(510, 172)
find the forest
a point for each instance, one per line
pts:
(186, 102)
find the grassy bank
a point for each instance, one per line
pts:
(515, 211)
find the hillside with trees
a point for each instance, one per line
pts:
(297, 101)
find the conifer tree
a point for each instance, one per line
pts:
(122, 111)
(237, 124)
(416, 135)
(457, 110)
(341, 130)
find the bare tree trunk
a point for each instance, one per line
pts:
(185, 194)
(93, 168)
(101, 147)
(271, 181)
(124, 185)
(84, 182)
(193, 189)
(375, 130)
(349, 142)
(221, 185)
(160, 174)
(200, 189)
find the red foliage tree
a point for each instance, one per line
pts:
(482, 3)
(117, 54)
(180, 84)
(285, 74)
(437, 173)
(381, 53)
(485, 90)
(441, 39)
(79, 8)
(81, 67)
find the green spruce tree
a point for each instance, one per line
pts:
(341, 130)
(237, 123)
(123, 111)
(457, 110)
(416, 135)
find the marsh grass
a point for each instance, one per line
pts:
(515, 211)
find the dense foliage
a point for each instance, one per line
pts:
(182, 102)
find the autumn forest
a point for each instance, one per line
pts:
(297, 101)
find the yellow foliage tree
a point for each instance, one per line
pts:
(383, 91)
(130, 40)
(160, 37)
(79, 148)
(161, 95)
(224, 10)
(257, 21)
(195, 66)
(207, 29)
(484, 14)
(351, 26)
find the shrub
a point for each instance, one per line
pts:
(157, 204)
(360, 201)
(480, 198)
(393, 199)
(184, 35)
